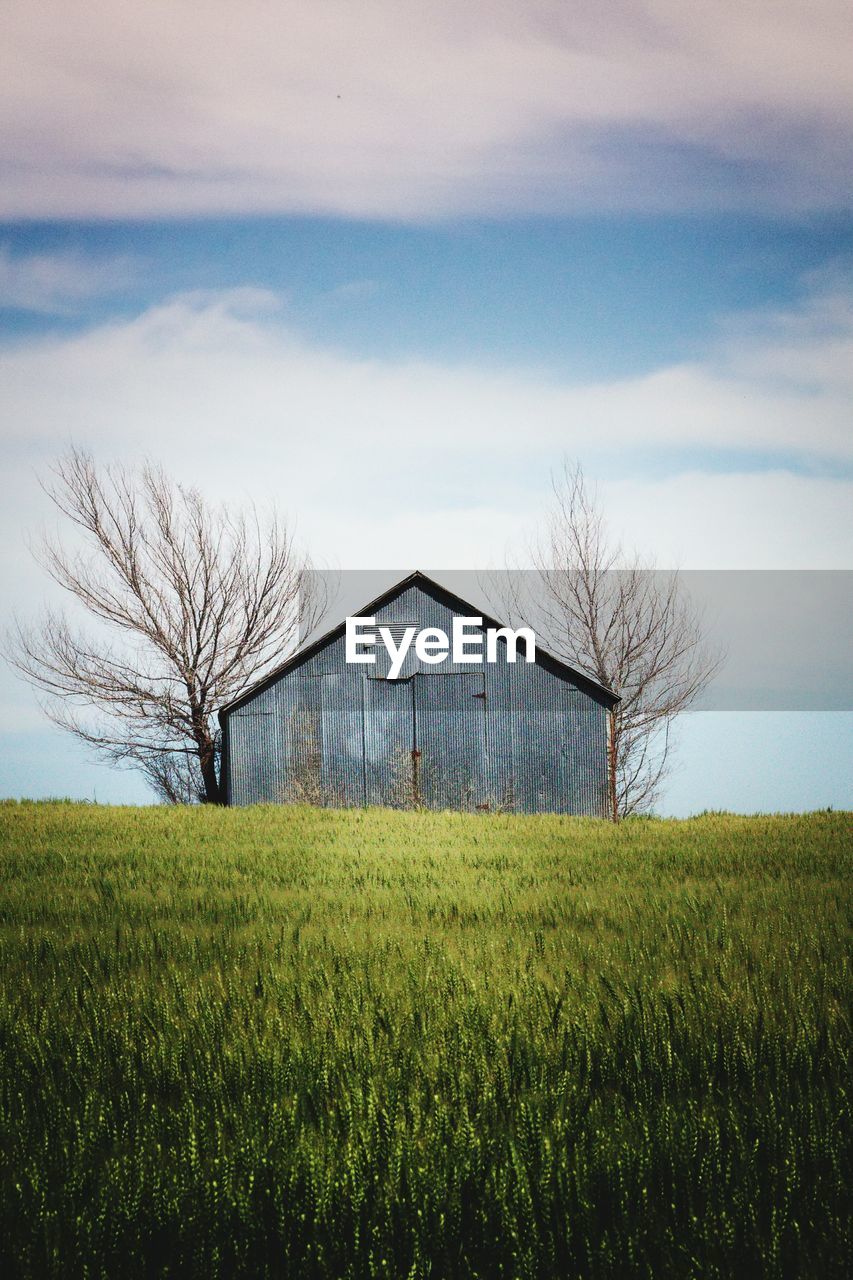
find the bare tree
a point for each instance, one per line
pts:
(628, 624)
(197, 602)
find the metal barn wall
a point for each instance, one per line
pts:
(520, 736)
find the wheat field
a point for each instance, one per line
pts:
(316, 1043)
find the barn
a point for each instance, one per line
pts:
(529, 737)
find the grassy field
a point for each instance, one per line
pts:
(306, 1043)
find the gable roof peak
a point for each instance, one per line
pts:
(416, 577)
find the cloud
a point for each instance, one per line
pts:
(398, 464)
(735, 520)
(807, 347)
(56, 283)
(396, 109)
(728, 462)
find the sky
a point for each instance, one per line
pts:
(388, 264)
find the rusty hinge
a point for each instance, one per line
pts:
(479, 695)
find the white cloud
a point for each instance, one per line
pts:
(407, 464)
(56, 283)
(393, 108)
(807, 346)
(736, 520)
(404, 462)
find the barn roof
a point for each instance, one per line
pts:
(448, 598)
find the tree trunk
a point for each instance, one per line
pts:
(207, 761)
(206, 757)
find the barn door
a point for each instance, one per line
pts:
(450, 741)
(389, 740)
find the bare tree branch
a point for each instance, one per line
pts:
(197, 602)
(628, 624)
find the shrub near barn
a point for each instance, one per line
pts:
(331, 1043)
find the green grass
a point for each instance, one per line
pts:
(307, 1043)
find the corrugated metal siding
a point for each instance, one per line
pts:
(254, 757)
(388, 741)
(342, 774)
(330, 733)
(450, 739)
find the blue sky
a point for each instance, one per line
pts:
(577, 296)
(389, 264)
